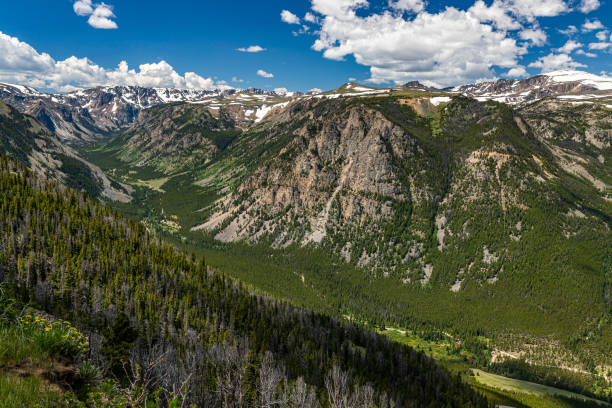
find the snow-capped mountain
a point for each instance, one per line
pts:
(91, 113)
(568, 85)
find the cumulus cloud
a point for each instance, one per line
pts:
(101, 17)
(600, 46)
(569, 31)
(20, 63)
(441, 49)
(337, 8)
(542, 8)
(251, 48)
(407, 5)
(554, 62)
(592, 25)
(100, 14)
(569, 46)
(289, 18)
(404, 41)
(237, 80)
(264, 74)
(83, 7)
(536, 36)
(602, 35)
(311, 18)
(586, 6)
(586, 54)
(516, 72)
(496, 13)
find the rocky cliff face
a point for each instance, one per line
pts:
(399, 192)
(25, 139)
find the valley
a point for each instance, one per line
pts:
(474, 230)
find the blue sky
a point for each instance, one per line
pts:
(67, 44)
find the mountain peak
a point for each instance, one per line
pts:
(600, 82)
(417, 85)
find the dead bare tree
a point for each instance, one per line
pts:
(270, 377)
(143, 374)
(230, 363)
(300, 395)
(364, 396)
(339, 388)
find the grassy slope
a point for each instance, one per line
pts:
(31, 368)
(537, 394)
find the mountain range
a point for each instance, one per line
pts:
(484, 209)
(92, 113)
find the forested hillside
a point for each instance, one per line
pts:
(186, 329)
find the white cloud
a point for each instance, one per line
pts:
(82, 7)
(407, 5)
(20, 63)
(251, 48)
(553, 62)
(600, 46)
(507, 14)
(237, 80)
(441, 49)
(570, 30)
(311, 18)
(281, 91)
(315, 90)
(289, 18)
(536, 36)
(101, 17)
(569, 46)
(339, 9)
(540, 8)
(100, 14)
(586, 54)
(19, 56)
(264, 74)
(592, 25)
(516, 72)
(602, 35)
(496, 13)
(586, 6)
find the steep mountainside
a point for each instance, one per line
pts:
(160, 321)
(27, 140)
(384, 187)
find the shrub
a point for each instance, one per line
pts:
(58, 337)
